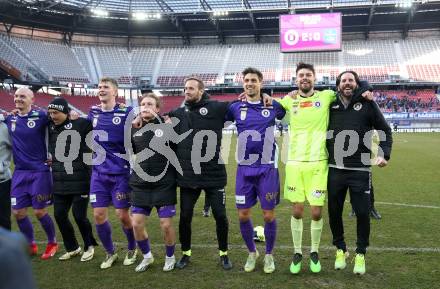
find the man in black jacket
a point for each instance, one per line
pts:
(153, 181)
(202, 167)
(71, 177)
(353, 120)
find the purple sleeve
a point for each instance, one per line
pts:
(280, 112)
(46, 117)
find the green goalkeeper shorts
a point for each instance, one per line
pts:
(306, 180)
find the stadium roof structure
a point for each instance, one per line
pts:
(220, 18)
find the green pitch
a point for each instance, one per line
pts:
(404, 253)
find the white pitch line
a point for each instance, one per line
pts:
(408, 205)
(383, 203)
(290, 247)
(405, 205)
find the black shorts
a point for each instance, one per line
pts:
(153, 194)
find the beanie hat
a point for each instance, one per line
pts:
(60, 104)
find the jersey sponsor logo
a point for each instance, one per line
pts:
(116, 120)
(243, 113)
(240, 200)
(295, 107)
(306, 104)
(203, 111)
(13, 201)
(13, 124)
(31, 124)
(158, 133)
(357, 106)
(119, 114)
(265, 113)
(318, 193)
(92, 198)
(68, 126)
(317, 104)
(34, 113)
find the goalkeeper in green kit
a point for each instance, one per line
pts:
(307, 165)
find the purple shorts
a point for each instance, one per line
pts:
(162, 212)
(109, 189)
(31, 189)
(252, 183)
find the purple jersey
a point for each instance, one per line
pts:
(29, 140)
(111, 122)
(255, 125)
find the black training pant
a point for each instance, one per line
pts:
(217, 200)
(358, 183)
(5, 205)
(79, 204)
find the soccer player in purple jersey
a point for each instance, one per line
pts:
(155, 185)
(257, 171)
(110, 174)
(32, 179)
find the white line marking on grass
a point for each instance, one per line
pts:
(408, 205)
(405, 205)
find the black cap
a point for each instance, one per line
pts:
(60, 104)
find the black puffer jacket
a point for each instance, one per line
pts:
(156, 185)
(79, 181)
(205, 115)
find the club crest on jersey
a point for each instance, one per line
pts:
(317, 104)
(265, 113)
(31, 124)
(68, 126)
(116, 120)
(203, 111)
(357, 106)
(158, 133)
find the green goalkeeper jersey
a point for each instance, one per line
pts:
(308, 122)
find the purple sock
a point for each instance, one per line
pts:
(105, 235)
(49, 228)
(247, 232)
(130, 238)
(170, 250)
(144, 245)
(270, 232)
(26, 228)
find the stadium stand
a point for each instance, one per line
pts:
(415, 59)
(47, 56)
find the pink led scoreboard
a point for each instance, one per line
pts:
(310, 32)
